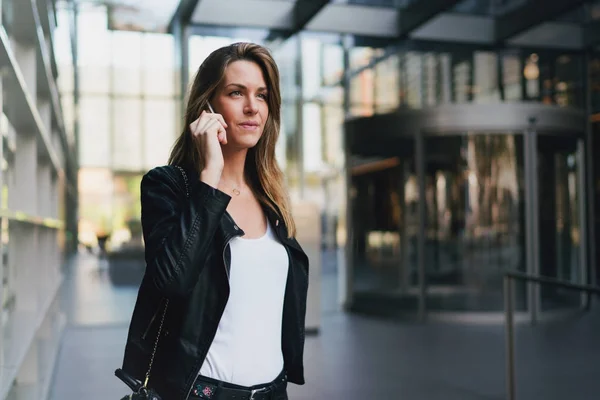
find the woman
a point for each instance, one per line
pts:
(220, 249)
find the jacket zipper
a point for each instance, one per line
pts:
(215, 332)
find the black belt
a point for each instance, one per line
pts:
(213, 389)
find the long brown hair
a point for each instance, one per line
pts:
(262, 171)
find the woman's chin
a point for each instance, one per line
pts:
(243, 144)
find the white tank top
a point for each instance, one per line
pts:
(247, 347)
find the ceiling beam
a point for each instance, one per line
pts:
(418, 13)
(531, 14)
(183, 13)
(303, 13)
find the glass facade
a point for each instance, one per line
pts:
(473, 179)
(127, 116)
(443, 226)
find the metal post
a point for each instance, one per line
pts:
(510, 340)
(346, 275)
(583, 221)
(531, 217)
(535, 218)
(420, 160)
(590, 221)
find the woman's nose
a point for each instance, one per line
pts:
(251, 107)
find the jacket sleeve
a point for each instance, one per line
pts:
(178, 231)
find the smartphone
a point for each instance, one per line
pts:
(210, 108)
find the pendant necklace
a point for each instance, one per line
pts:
(234, 189)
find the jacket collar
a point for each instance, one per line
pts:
(229, 228)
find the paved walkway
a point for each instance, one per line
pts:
(354, 357)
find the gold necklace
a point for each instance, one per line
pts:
(234, 189)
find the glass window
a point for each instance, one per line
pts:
(127, 140)
(486, 78)
(201, 47)
(96, 201)
(387, 84)
(94, 50)
(568, 81)
(286, 58)
(461, 72)
(360, 57)
(158, 60)
(474, 221)
(413, 66)
(93, 42)
(68, 113)
(65, 78)
(126, 224)
(312, 140)
(95, 125)
(311, 67)
(430, 77)
(126, 61)
(159, 131)
(62, 36)
(512, 78)
(333, 63)
(333, 120)
(361, 93)
(94, 79)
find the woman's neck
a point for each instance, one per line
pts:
(233, 170)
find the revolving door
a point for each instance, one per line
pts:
(442, 202)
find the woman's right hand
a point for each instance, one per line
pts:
(209, 132)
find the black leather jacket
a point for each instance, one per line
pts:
(186, 232)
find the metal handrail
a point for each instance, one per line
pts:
(509, 317)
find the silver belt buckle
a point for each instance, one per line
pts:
(255, 391)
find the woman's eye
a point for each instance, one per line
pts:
(263, 96)
(235, 93)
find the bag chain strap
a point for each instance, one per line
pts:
(162, 321)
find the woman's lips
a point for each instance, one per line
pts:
(249, 125)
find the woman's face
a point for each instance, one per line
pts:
(242, 100)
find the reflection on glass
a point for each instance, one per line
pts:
(333, 63)
(387, 85)
(376, 208)
(362, 94)
(95, 125)
(461, 73)
(511, 69)
(486, 78)
(126, 151)
(158, 132)
(384, 199)
(311, 67)
(413, 70)
(474, 222)
(126, 62)
(559, 218)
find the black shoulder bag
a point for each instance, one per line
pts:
(141, 391)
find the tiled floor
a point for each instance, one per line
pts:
(353, 357)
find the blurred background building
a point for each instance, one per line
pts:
(443, 143)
